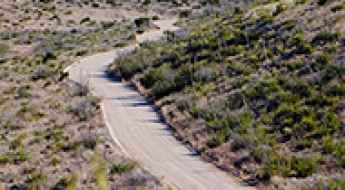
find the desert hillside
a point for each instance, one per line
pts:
(52, 133)
(258, 90)
(254, 87)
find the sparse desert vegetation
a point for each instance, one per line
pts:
(51, 131)
(255, 87)
(256, 90)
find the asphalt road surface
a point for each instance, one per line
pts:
(136, 127)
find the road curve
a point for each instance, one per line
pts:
(135, 125)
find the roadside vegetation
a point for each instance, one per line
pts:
(51, 131)
(259, 91)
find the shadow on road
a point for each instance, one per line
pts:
(135, 100)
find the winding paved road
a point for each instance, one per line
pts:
(137, 129)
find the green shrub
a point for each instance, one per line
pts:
(330, 72)
(339, 153)
(295, 85)
(41, 72)
(227, 122)
(205, 74)
(152, 77)
(298, 39)
(89, 143)
(24, 92)
(326, 37)
(234, 50)
(20, 156)
(235, 69)
(239, 142)
(184, 102)
(331, 146)
(70, 146)
(55, 161)
(289, 24)
(324, 59)
(337, 90)
(18, 141)
(290, 166)
(128, 69)
(37, 180)
(332, 122)
(85, 108)
(29, 113)
(3, 49)
(246, 120)
(219, 138)
(295, 65)
(163, 88)
(201, 90)
(263, 87)
(281, 7)
(122, 168)
(303, 143)
(157, 74)
(273, 164)
(304, 48)
(5, 158)
(328, 144)
(309, 122)
(303, 167)
(235, 101)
